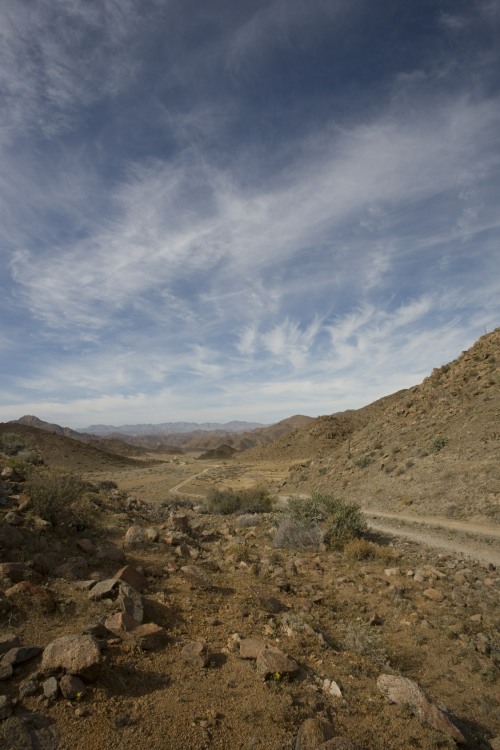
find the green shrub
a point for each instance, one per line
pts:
(57, 496)
(228, 501)
(324, 516)
(21, 468)
(363, 462)
(439, 443)
(11, 443)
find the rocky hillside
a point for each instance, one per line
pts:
(433, 447)
(65, 452)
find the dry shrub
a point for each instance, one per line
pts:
(362, 549)
(293, 534)
(365, 640)
(59, 497)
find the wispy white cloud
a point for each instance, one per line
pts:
(223, 249)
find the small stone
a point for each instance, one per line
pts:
(8, 641)
(15, 571)
(268, 602)
(6, 672)
(403, 691)
(434, 595)
(149, 636)
(196, 577)
(130, 575)
(392, 571)
(5, 707)
(250, 648)
(104, 589)
(313, 733)
(19, 655)
(82, 711)
(271, 662)
(50, 688)
(120, 622)
(72, 687)
(29, 596)
(331, 687)
(28, 688)
(130, 602)
(196, 653)
(135, 536)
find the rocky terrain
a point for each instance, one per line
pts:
(166, 626)
(132, 616)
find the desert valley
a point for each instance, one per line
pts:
(318, 583)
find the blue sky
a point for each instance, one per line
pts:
(217, 210)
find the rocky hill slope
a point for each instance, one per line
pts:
(434, 447)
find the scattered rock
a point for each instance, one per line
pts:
(196, 577)
(402, 691)
(75, 654)
(19, 655)
(72, 687)
(30, 733)
(250, 648)
(268, 602)
(106, 589)
(6, 672)
(130, 602)
(271, 662)
(8, 641)
(196, 653)
(5, 707)
(134, 536)
(29, 596)
(130, 575)
(434, 595)
(149, 636)
(313, 733)
(50, 688)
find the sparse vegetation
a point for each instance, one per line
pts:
(228, 501)
(363, 549)
(11, 443)
(363, 639)
(295, 535)
(439, 443)
(363, 462)
(57, 496)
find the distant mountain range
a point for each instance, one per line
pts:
(170, 428)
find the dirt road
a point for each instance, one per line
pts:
(473, 540)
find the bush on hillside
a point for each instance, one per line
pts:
(11, 443)
(228, 501)
(321, 517)
(57, 496)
